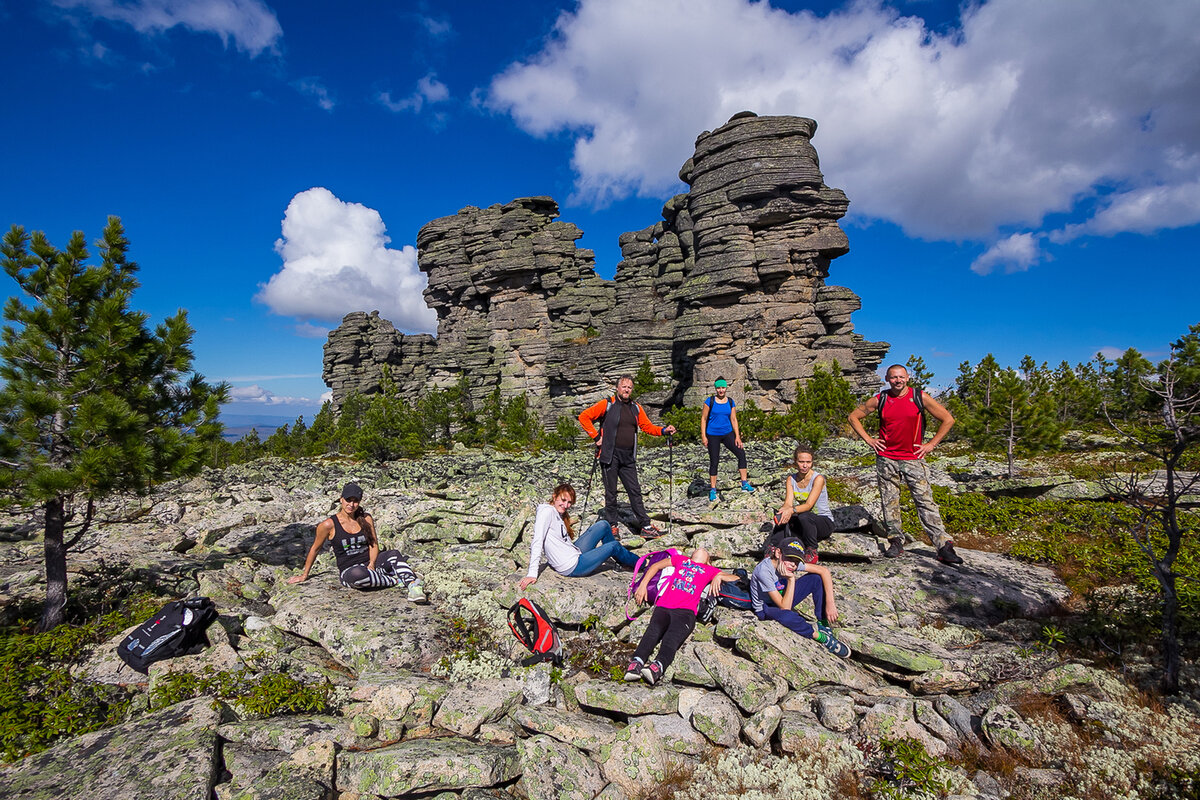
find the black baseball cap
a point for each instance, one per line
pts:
(792, 549)
(352, 491)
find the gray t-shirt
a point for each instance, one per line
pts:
(764, 581)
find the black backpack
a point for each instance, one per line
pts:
(533, 628)
(177, 629)
(733, 594)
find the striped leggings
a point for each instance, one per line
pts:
(390, 570)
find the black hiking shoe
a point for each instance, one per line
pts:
(652, 672)
(634, 671)
(895, 548)
(651, 532)
(946, 554)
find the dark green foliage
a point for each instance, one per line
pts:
(256, 695)
(903, 768)
(918, 373)
(93, 401)
(644, 380)
(39, 700)
(566, 435)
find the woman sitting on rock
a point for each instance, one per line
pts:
(356, 547)
(554, 535)
(806, 514)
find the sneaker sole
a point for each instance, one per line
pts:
(648, 676)
(630, 677)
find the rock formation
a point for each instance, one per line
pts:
(731, 282)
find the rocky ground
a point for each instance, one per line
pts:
(431, 700)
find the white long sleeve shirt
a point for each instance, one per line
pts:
(550, 537)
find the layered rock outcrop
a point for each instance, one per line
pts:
(730, 283)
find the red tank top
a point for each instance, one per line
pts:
(900, 426)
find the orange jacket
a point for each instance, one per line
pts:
(598, 412)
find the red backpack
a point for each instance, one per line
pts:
(532, 627)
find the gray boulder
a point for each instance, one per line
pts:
(167, 755)
(552, 770)
(426, 765)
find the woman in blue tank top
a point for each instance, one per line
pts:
(719, 426)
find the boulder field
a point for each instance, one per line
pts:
(432, 701)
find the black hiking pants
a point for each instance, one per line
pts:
(672, 627)
(624, 467)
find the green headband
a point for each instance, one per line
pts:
(721, 383)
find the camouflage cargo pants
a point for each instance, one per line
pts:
(892, 475)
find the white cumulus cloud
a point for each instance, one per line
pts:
(1026, 109)
(250, 24)
(336, 260)
(1017, 253)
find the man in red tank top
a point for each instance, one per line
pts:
(900, 452)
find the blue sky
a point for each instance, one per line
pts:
(1024, 176)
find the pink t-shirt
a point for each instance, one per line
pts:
(686, 583)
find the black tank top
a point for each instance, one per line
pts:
(350, 549)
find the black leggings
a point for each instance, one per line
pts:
(671, 626)
(810, 528)
(390, 570)
(714, 451)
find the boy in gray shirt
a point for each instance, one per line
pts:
(782, 580)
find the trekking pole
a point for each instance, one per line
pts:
(670, 485)
(588, 493)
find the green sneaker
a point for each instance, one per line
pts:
(416, 594)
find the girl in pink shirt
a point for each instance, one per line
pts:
(674, 618)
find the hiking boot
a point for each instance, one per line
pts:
(810, 555)
(650, 532)
(746, 487)
(416, 594)
(946, 554)
(895, 548)
(712, 495)
(634, 671)
(836, 646)
(652, 672)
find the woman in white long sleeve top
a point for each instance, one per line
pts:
(553, 534)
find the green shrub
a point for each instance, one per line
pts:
(256, 695)
(40, 702)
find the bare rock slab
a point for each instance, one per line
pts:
(426, 765)
(553, 770)
(167, 755)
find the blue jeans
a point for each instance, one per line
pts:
(808, 584)
(596, 545)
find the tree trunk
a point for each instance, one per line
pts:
(54, 610)
(1170, 632)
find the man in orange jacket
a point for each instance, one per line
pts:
(619, 419)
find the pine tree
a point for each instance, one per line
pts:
(1126, 385)
(918, 373)
(94, 402)
(1023, 419)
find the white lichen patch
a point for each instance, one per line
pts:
(746, 774)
